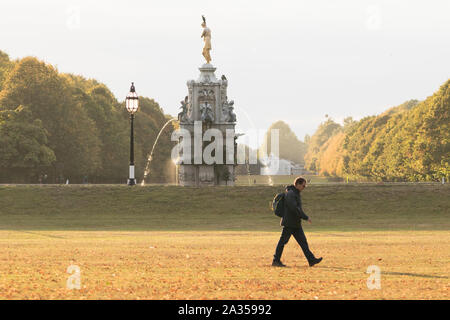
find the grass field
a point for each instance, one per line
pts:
(167, 242)
(245, 180)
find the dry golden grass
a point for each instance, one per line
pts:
(222, 265)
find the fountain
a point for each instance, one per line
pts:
(150, 156)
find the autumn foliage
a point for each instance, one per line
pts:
(410, 142)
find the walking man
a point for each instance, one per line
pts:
(292, 225)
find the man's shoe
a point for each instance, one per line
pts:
(278, 263)
(314, 261)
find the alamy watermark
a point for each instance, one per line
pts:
(74, 280)
(374, 280)
(213, 146)
(373, 18)
(73, 21)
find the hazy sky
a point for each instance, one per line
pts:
(285, 60)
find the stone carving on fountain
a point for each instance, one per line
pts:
(227, 110)
(184, 115)
(207, 102)
(206, 112)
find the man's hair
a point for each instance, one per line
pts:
(299, 180)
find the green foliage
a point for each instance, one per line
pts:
(23, 140)
(148, 124)
(72, 135)
(81, 128)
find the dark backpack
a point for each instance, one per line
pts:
(278, 205)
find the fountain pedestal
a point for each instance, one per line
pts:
(207, 104)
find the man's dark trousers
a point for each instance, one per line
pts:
(299, 235)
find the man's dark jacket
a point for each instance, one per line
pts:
(293, 211)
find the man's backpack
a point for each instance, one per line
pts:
(278, 207)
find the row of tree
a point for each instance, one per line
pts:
(410, 142)
(289, 148)
(56, 126)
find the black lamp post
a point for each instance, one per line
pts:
(132, 105)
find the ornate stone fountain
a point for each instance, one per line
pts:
(207, 104)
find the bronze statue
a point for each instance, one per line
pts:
(206, 35)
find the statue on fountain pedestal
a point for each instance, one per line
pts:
(206, 35)
(182, 116)
(186, 111)
(228, 113)
(206, 112)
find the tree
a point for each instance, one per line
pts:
(5, 66)
(406, 142)
(290, 147)
(71, 134)
(23, 144)
(149, 123)
(331, 160)
(86, 128)
(325, 131)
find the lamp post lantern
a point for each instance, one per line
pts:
(132, 105)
